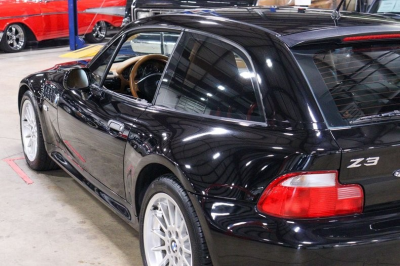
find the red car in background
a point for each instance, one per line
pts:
(37, 20)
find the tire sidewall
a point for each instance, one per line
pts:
(172, 188)
(28, 96)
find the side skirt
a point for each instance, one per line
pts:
(98, 190)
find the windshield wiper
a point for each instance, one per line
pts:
(378, 116)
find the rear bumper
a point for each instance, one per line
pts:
(240, 252)
(242, 236)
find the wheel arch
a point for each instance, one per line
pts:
(110, 22)
(31, 36)
(22, 89)
(152, 167)
(149, 168)
(29, 32)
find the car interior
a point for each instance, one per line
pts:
(139, 64)
(195, 86)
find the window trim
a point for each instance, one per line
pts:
(256, 85)
(225, 119)
(107, 69)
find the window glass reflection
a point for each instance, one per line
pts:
(208, 76)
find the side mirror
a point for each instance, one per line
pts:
(76, 78)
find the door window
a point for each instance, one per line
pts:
(211, 77)
(135, 66)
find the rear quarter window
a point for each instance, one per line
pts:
(355, 84)
(210, 77)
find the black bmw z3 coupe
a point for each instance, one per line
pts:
(239, 136)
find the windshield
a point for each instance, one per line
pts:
(356, 84)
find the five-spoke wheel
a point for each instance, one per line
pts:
(14, 38)
(98, 33)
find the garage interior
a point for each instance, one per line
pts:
(54, 220)
(47, 218)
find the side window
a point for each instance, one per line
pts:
(154, 43)
(99, 66)
(208, 76)
(134, 65)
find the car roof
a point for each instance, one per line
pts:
(292, 25)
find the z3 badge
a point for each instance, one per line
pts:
(371, 161)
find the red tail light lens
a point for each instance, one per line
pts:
(371, 37)
(310, 195)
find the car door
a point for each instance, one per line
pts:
(55, 18)
(94, 123)
(208, 119)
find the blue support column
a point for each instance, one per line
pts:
(74, 41)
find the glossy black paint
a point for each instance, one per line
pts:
(283, 98)
(379, 140)
(225, 164)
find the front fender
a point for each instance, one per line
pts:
(36, 83)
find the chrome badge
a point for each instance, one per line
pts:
(396, 173)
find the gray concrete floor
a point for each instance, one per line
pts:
(53, 221)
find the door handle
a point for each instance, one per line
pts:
(116, 126)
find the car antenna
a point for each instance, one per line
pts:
(336, 13)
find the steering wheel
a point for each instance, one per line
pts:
(133, 85)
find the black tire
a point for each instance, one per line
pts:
(98, 33)
(14, 38)
(167, 189)
(37, 159)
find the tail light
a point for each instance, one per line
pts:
(371, 37)
(310, 195)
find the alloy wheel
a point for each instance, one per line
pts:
(29, 130)
(165, 233)
(15, 37)
(99, 30)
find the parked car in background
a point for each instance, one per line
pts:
(37, 20)
(144, 8)
(245, 136)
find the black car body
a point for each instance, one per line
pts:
(316, 99)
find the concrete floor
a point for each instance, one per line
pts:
(53, 221)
